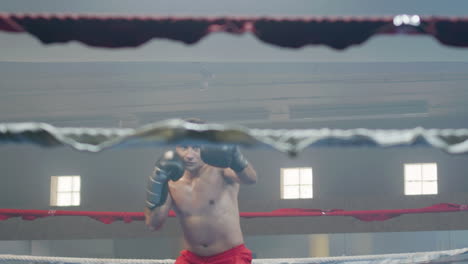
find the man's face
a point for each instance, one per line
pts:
(191, 156)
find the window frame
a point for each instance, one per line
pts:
(299, 185)
(423, 182)
(55, 192)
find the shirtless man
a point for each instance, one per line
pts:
(201, 185)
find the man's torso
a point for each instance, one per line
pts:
(207, 209)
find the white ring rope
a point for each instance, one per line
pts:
(447, 256)
(453, 141)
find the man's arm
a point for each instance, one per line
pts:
(246, 176)
(155, 218)
(158, 199)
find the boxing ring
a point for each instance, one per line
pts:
(346, 32)
(453, 141)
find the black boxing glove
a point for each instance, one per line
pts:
(168, 167)
(224, 156)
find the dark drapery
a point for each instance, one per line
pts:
(132, 31)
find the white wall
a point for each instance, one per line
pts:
(17, 247)
(95, 248)
(271, 246)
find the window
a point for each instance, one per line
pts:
(65, 190)
(296, 183)
(420, 178)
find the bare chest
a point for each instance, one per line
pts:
(202, 195)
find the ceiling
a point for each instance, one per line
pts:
(132, 94)
(237, 79)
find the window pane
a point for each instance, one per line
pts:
(412, 172)
(290, 192)
(429, 171)
(76, 183)
(306, 176)
(429, 187)
(64, 184)
(306, 191)
(291, 176)
(75, 198)
(412, 188)
(63, 199)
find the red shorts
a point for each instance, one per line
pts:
(236, 255)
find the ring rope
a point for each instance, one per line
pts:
(446, 256)
(128, 217)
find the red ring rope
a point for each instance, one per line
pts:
(127, 217)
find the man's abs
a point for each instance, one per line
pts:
(207, 236)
